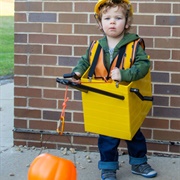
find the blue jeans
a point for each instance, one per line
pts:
(109, 153)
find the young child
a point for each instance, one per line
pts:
(114, 18)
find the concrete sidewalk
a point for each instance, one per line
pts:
(15, 161)
(6, 113)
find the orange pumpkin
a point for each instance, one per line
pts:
(50, 167)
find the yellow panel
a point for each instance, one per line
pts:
(115, 117)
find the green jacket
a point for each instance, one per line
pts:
(137, 71)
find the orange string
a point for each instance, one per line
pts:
(60, 126)
(64, 103)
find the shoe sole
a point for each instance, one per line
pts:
(144, 175)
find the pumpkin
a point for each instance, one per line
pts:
(49, 167)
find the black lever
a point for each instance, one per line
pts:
(143, 98)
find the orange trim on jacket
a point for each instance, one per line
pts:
(126, 61)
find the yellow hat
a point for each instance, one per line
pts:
(100, 2)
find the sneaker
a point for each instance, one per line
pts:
(108, 175)
(144, 170)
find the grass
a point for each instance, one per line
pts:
(6, 45)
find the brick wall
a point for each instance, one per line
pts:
(50, 36)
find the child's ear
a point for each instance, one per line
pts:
(127, 26)
(100, 26)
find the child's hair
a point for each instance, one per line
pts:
(125, 7)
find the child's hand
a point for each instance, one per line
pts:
(115, 74)
(76, 79)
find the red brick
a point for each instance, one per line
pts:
(25, 49)
(92, 37)
(175, 124)
(26, 136)
(175, 54)
(85, 140)
(147, 133)
(55, 94)
(134, 29)
(160, 77)
(73, 18)
(20, 59)
(166, 89)
(20, 17)
(146, 20)
(86, 29)
(93, 149)
(84, 6)
(30, 113)
(27, 92)
(77, 95)
(78, 117)
(154, 31)
(28, 6)
(34, 124)
(175, 101)
(176, 8)
(20, 38)
(148, 43)
(42, 103)
(42, 60)
(174, 149)
(74, 127)
(176, 31)
(28, 70)
(55, 115)
(157, 147)
(58, 6)
(175, 78)
(154, 8)
(166, 135)
(134, 6)
(161, 100)
(74, 40)
(20, 101)
(27, 27)
(56, 50)
(20, 81)
(167, 20)
(79, 51)
(167, 43)
(158, 54)
(67, 61)
(42, 38)
(57, 28)
(20, 123)
(55, 71)
(42, 82)
(156, 123)
(167, 66)
(167, 112)
(73, 105)
(92, 19)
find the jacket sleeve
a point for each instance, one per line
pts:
(82, 64)
(139, 69)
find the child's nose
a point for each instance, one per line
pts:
(112, 21)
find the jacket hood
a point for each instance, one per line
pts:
(129, 37)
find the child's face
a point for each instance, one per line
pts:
(113, 22)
